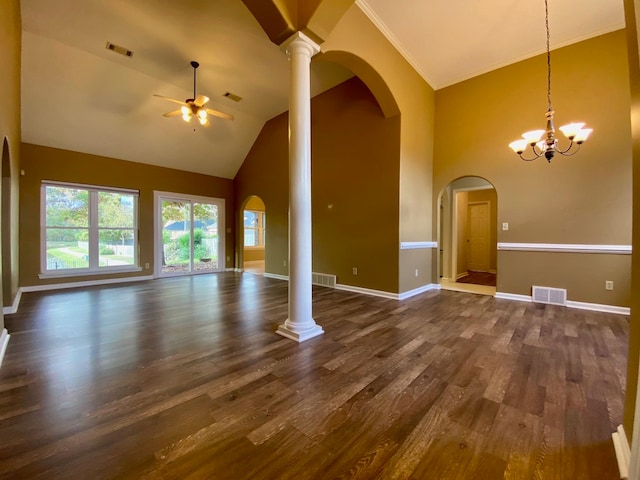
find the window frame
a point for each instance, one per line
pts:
(93, 228)
(261, 229)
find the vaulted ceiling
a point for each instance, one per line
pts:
(77, 95)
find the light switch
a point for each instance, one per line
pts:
(505, 226)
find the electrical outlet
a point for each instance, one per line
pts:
(505, 226)
(146, 265)
(228, 259)
(355, 270)
(608, 284)
(284, 263)
(416, 272)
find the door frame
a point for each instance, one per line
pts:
(158, 196)
(454, 226)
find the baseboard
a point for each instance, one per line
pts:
(623, 452)
(390, 295)
(13, 308)
(513, 296)
(89, 283)
(4, 341)
(594, 307)
(418, 291)
(276, 276)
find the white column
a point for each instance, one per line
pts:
(300, 325)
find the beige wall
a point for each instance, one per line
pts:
(10, 47)
(44, 163)
(584, 199)
(415, 101)
(461, 201)
(354, 188)
(632, 12)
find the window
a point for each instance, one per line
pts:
(254, 228)
(88, 229)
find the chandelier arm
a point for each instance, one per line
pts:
(566, 152)
(536, 155)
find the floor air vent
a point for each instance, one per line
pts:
(554, 296)
(323, 279)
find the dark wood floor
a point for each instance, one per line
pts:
(479, 278)
(184, 378)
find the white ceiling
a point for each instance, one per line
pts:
(77, 95)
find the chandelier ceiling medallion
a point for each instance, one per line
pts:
(544, 142)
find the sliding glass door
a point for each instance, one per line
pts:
(190, 234)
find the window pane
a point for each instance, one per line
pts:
(115, 210)
(116, 247)
(205, 236)
(67, 207)
(251, 237)
(67, 248)
(250, 218)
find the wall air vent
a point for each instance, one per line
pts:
(118, 49)
(232, 96)
(553, 296)
(323, 279)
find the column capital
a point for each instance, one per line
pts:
(299, 39)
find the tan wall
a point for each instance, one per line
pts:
(581, 199)
(10, 47)
(415, 100)
(44, 163)
(461, 232)
(632, 12)
(354, 188)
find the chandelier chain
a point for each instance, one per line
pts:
(546, 22)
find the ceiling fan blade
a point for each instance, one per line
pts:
(219, 114)
(172, 114)
(170, 99)
(201, 100)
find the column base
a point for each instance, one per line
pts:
(299, 337)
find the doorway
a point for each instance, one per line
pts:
(189, 234)
(468, 236)
(254, 222)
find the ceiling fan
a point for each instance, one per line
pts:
(194, 107)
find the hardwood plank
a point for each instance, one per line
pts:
(185, 378)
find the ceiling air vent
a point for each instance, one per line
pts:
(232, 96)
(118, 49)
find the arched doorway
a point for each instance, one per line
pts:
(6, 225)
(468, 229)
(254, 224)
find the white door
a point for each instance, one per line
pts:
(190, 234)
(479, 239)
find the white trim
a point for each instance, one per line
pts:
(87, 272)
(419, 290)
(388, 34)
(86, 186)
(276, 276)
(13, 308)
(513, 296)
(623, 452)
(89, 283)
(383, 294)
(417, 245)
(367, 291)
(596, 307)
(4, 341)
(565, 247)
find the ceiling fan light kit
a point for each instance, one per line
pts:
(544, 142)
(194, 107)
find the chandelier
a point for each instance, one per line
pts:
(544, 142)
